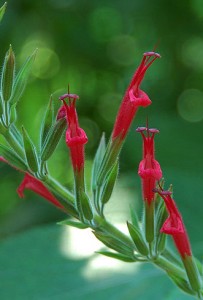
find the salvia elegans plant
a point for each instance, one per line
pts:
(146, 241)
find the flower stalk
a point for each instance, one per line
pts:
(133, 99)
(76, 139)
(174, 226)
(150, 172)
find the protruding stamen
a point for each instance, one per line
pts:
(149, 130)
(163, 193)
(70, 96)
(141, 129)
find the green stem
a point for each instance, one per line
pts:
(192, 273)
(56, 187)
(100, 223)
(149, 222)
(63, 196)
(111, 154)
(15, 145)
(169, 267)
(6, 114)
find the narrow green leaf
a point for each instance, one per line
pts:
(73, 223)
(53, 139)
(2, 10)
(98, 160)
(47, 122)
(30, 151)
(161, 243)
(85, 206)
(8, 75)
(171, 256)
(181, 283)
(65, 201)
(22, 78)
(109, 184)
(1, 106)
(121, 257)
(138, 239)
(13, 114)
(113, 243)
(192, 273)
(134, 217)
(12, 158)
(3, 129)
(199, 265)
(161, 215)
(15, 132)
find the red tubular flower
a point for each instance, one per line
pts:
(75, 136)
(149, 169)
(174, 225)
(31, 183)
(133, 98)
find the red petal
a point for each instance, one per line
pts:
(31, 183)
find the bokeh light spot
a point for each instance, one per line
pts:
(197, 8)
(121, 50)
(92, 131)
(105, 22)
(108, 106)
(192, 53)
(46, 63)
(190, 105)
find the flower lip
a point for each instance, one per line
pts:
(164, 193)
(70, 96)
(140, 129)
(151, 130)
(151, 53)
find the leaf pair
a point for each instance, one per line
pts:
(12, 85)
(104, 191)
(51, 132)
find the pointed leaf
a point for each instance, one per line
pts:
(182, 284)
(121, 257)
(2, 10)
(161, 215)
(53, 139)
(73, 223)
(134, 217)
(66, 201)
(15, 132)
(13, 159)
(161, 243)
(138, 239)
(8, 74)
(85, 206)
(109, 184)
(13, 114)
(1, 107)
(47, 122)
(172, 257)
(3, 129)
(97, 160)
(30, 151)
(22, 78)
(113, 243)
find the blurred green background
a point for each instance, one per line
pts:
(95, 46)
